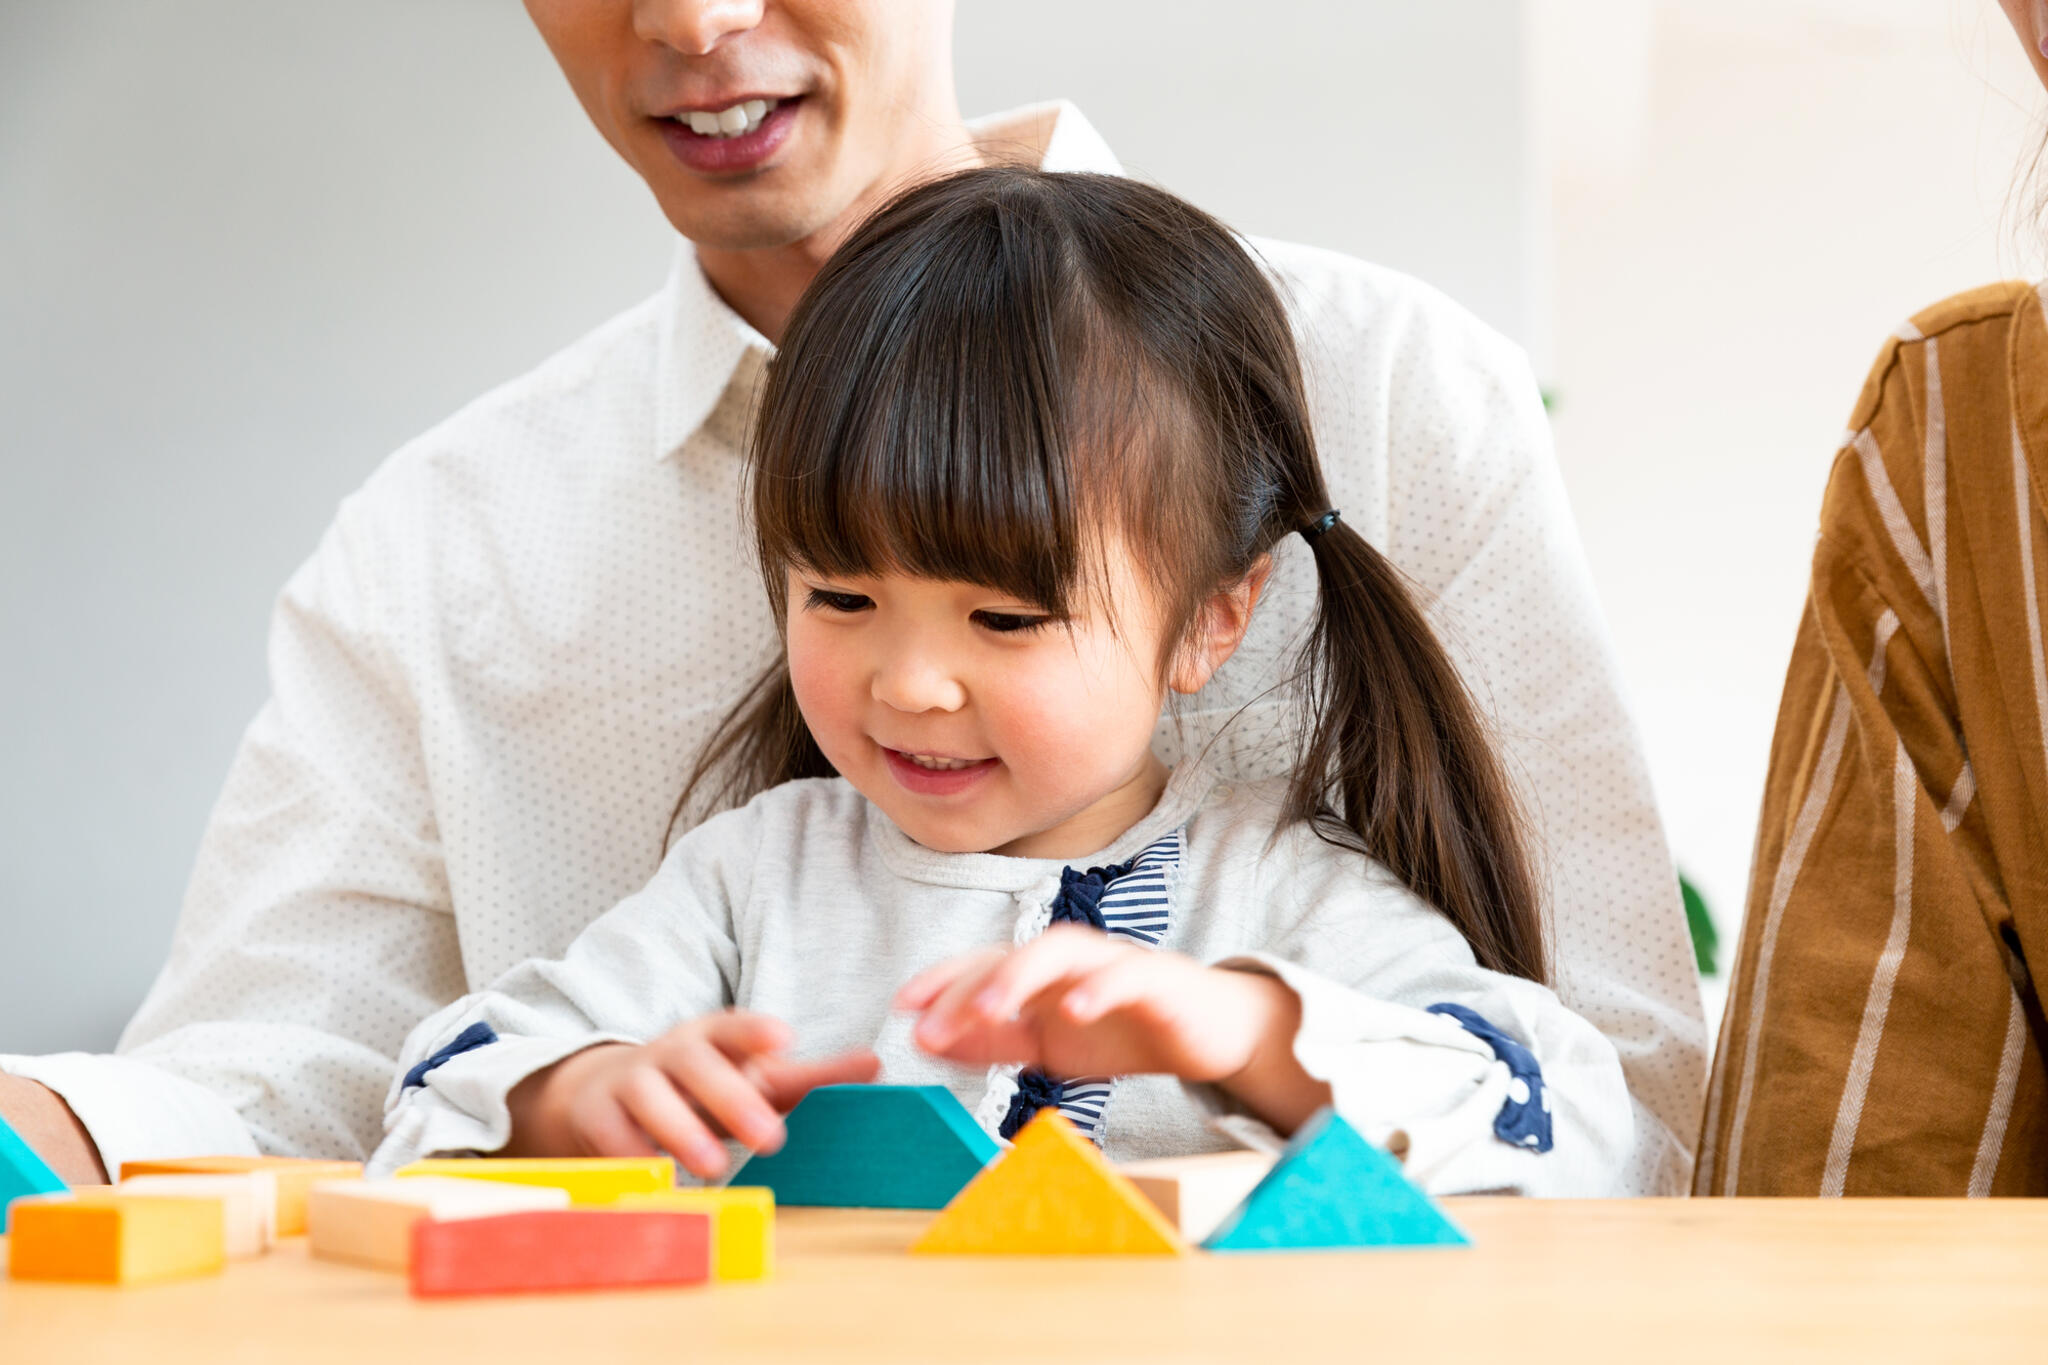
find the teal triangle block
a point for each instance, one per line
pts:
(22, 1171)
(1332, 1188)
(874, 1147)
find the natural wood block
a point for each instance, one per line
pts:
(370, 1222)
(874, 1147)
(1053, 1193)
(295, 1177)
(742, 1225)
(579, 1248)
(106, 1237)
(1196, 1192)
(589, 1180)
(248, 1202)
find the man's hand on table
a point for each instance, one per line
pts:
(47, 1124)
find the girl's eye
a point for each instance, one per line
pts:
(1010, 623)
(821, 599)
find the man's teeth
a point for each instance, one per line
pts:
(941, 765)
(737, 121)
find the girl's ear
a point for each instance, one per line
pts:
(1218, 629)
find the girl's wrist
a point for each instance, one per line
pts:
(1271, 1082)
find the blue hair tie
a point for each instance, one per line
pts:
(1314, 530)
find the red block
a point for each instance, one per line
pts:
(516, 1253)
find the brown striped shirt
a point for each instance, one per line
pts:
(1884, 1034)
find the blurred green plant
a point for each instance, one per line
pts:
(1705, 940)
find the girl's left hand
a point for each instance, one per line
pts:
(1077, 1002)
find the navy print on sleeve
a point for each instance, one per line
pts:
(470, 1039)
(1524, 1119)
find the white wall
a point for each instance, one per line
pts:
(247, 248)
(1741, 218)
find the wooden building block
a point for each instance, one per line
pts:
(101, 1236)
(742, 1225)
(370, 1222)
(248, 1201)
(1052, 1194)
(1195, 1192)
(294, 1178)
(22, 1172)
(578, 1248)
(874, 1147)
(592, 1180)
(1332, 1188)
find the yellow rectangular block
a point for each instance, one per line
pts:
(589, 1180)
(1196, 1193)
(742, 1225)
(295, 1176)
(103, 1237)
(248, 1203)
(369, 1222)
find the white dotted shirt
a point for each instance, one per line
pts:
(490, 679)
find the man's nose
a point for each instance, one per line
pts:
(914, 681)
(694, 27)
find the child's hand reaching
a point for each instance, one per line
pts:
(718, 1076)
(1076, 1002)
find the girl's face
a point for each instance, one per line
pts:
(978, 723)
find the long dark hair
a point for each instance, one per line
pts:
(1000, 363)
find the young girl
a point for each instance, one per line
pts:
(1021, 468)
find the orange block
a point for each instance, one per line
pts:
(112, 1238)
(517, 1253)
(294, 1178)
(1053, 1193)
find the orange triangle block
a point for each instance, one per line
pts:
(1053, 1194)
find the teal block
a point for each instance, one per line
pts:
(22, 1171)
(1332, 1188)
(874, 1147)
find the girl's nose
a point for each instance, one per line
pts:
(915, 683)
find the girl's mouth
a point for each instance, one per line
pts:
(936, 775)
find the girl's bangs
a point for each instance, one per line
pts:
(936, 439)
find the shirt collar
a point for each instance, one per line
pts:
(701, 341)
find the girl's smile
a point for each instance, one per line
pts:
(932, 775)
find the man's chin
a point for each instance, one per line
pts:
(745, 222)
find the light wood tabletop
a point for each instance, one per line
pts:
(1730, 1281)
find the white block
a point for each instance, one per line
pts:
(248, 1203)
(1195, 1192)
(370, 1222)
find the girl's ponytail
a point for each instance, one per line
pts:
(1396, 754)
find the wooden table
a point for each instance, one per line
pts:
(1658, 1281)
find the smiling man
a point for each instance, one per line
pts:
(490, 680)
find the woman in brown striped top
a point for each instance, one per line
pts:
(1884, 1033)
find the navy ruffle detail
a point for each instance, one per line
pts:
(1523, 1120)
(1035, 1091)
(1078, 901)
(469, 1040)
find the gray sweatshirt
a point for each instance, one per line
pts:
(810, 905)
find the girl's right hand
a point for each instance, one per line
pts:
(718, 1076)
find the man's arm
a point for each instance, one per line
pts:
(42, 1119)
(317, 928)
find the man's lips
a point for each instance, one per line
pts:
(915, 777)
(725, 155)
